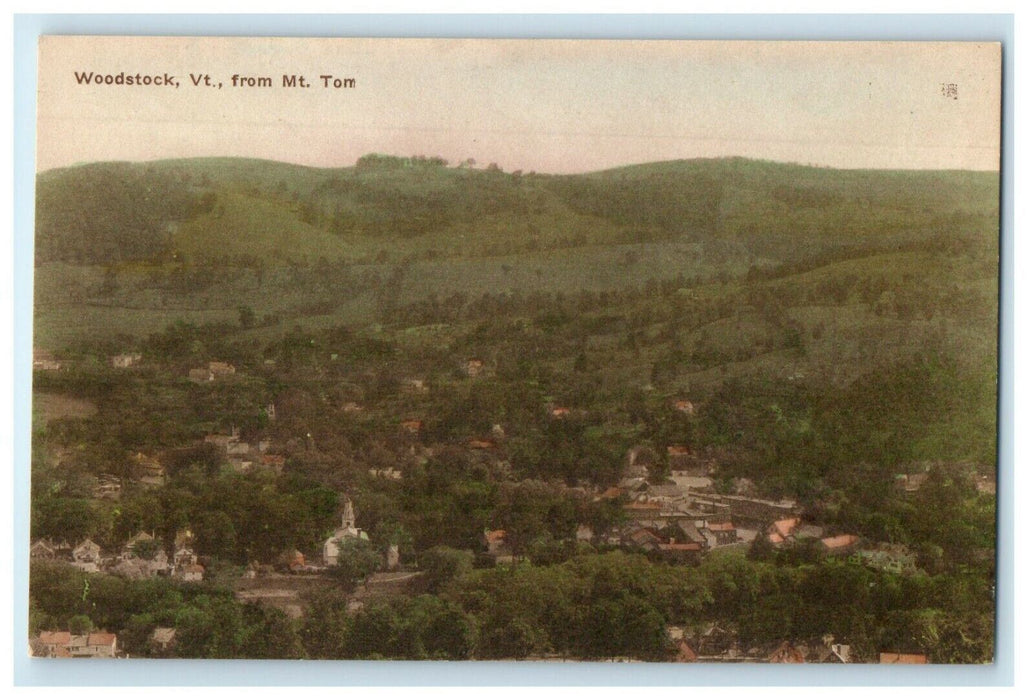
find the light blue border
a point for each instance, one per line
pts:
(27, 28)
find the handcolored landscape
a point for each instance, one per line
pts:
(698, 411)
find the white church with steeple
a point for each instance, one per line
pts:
(348, 529)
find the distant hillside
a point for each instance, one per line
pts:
(109, 212)
(221, 208)
(128, 248)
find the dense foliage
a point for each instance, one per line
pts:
(826, 346)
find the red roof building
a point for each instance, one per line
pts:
(787, 654)
(839, 544)
(684, 654)
(887, 657)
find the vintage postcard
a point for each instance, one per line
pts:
(662, 351)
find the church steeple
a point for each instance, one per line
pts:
(331, 548)
(348, 515)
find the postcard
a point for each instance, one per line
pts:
(538, 350)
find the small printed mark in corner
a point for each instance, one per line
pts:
(951, 91)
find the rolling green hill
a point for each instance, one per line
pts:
(127, 248)
(217, 208)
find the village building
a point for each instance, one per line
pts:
(47, 549)
(386, 473)
(835, 654)
(141, 540)
(125, 360)
(45, 361)
(392, 558)
(910, 484)
(717, 643)
(683, 552)
(162, 641)
(185, 564)
(781, 530)
(62, 644)
(786, 653)
(889, 657)
(687, 462)
(214, 371)
(666, 491)
(411, 426)
(150, 471)
(683, 406)
(684, 461)
(806, 531)
(348, 530)
(707, 503)
(720, 534)
(684, 652)
(893, 558)
(142, 557)
(609, 494)
(839, 545)
(274, 463)
(241, 455)
(107, 487)
(474, 367)
(190, 573)
(634, 486)
(224, 441)
(496, 547)
(415, 386)
(221, 369)
(184, 556)
(51, 645)
(292, 560)
(638, 461)
(693, 531)
(647, 539)
(691, 483)
(200, 375)
(749, 512)
(639, 510)
(87, 556)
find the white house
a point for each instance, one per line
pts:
(87, 556)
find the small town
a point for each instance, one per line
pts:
(671, 506)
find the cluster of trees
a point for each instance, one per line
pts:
(600, 606)
(236, 518)
(209, 622)
(680, 205)
(109, 213)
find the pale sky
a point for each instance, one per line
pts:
(544, 105)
